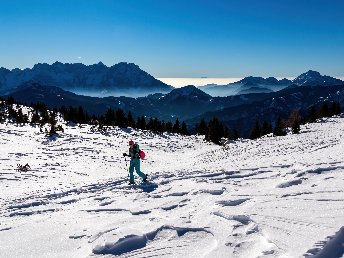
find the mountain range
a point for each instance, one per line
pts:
(188, 103)
(96, 80)
(191, 104)
(261, 85)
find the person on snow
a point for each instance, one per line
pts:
(134, 154)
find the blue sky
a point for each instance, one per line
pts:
(177, 38)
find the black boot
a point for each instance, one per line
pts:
(131, 183)
(145, 179)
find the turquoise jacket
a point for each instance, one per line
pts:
(134, 153)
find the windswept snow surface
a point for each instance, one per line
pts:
(272, 197)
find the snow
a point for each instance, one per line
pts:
(271, 197)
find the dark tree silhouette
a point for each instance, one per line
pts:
(169, 127)
(279, 128)
(149, 125)
(312, 115)
(294, 121)
(184, 129)
(10, 100)
(324, 110)
(176, 126)
(131, 122)
(215, 131)
(121, 119)
(266, 128)
(256, 131)
(334, 109)
(110, 117)
(12, 113)
(201, 128)
(52, 122)
(141, 123)
(233, 135)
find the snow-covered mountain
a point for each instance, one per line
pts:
(253, 84)
(313, 78)
(98, 79)
(272, 197)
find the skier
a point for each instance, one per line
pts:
(134, 154)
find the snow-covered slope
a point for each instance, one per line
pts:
(273, 197)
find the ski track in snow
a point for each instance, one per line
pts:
(273, 197)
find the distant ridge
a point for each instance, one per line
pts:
(98, 79)
(313, 78)
(253, 84)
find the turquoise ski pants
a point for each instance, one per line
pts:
(135, 163)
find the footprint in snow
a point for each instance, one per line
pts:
(166, 240)
(290, 183)
(232, 202)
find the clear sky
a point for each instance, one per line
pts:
(178, 38)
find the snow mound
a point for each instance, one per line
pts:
(130, 243)
(332, 248)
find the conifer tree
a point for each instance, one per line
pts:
(121, 119)
(10, 100)
(12, 113)
(184, 130)
(324, 110)
(156, 125)
(52, 122)
(294, 121)
(44, 116)
(201, 128)
(215, 131)
(20, 116)
(162, 127)
(70, 115)
(110, 117)
(266, 128)
(338, 109)
(131, 122)
(296, 127)
(2, 115)
(169, 127)
(149, 125)
(141, 123)
(176, 126)
(256, 131)
(279, 128)
(225, 131)
(80, 115)
(335, 109)
(312, 115)
(234, 135)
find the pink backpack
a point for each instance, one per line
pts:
(142, 154)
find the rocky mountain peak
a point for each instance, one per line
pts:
(314, 78)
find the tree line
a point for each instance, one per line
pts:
(40, 115)
(295, 120)
(213, 130)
